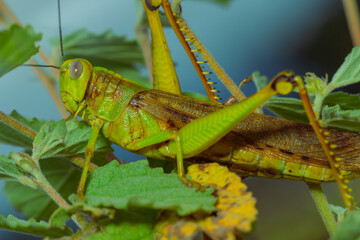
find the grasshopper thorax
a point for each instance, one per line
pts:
(75, 75)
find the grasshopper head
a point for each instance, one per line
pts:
(74, 77)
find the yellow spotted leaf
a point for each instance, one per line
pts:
(235, 208)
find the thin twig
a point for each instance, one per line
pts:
(60, 201)
(17, 125)
(323, 207)
(352, 16)
(144, 42)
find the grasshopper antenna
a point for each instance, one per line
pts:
(60, 32)
(41, 65)
(61, 45)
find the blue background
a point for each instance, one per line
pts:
(244, 36)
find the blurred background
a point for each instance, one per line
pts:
(244, 36)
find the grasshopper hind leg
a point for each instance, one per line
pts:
(161, 137)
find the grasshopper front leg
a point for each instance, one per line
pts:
(89, 152)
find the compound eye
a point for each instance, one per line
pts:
(76, 69)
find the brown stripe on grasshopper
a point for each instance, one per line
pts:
(286, 152)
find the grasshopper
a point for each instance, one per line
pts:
(252, 145)
(161, 123)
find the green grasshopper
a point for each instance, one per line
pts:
(161, 123)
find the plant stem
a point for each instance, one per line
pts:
(352, 16)
(17, 125)
(79, 161)
(323, 207)
(143, 38)
(144, 42)
(60, 201)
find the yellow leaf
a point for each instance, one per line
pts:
(235, 208)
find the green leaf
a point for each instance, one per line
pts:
(59, 217)
(137, 185)
(32, 227)
(259, 81)
(341, 119)
(133, 224)
(32, 123)
(167, 166)
(9, 168)
(344, 100)
(17, 45)
(36, 203)
(106, 49)
(9, 135)
(314, 84)
(60, 139)
(349, 71)
(340, 212)
(349, 228)
(288, 108)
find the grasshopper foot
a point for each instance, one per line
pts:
(192, 184)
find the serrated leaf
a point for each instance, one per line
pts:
(288, 108)
(342, 119)
(17, 45)
(61, 139)
(50, 136)
(349, 71)
(137, 185)
(9, 168)
(105, 47)
(107, 50)
(260, 81)
(9, 135)
(346, 101)
(134, 224)
(349, 228)
(36, 203)
(33, 227)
